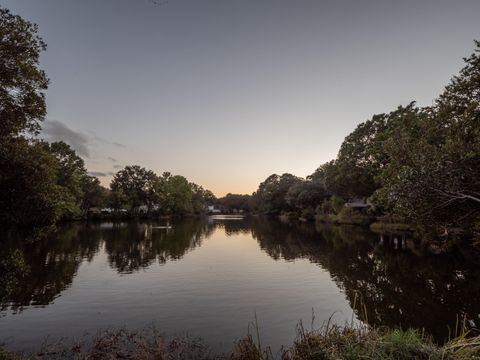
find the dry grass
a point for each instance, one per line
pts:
(331, 342)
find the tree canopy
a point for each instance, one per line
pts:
(419, 163)
(22, 82)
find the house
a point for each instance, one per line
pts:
(93, 211)
(357, 204)
(145, 209)
(211, 209)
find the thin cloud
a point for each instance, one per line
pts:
(112, 159)
(117, 166)
(119, 144)
(57, 131)
(97, 173)
(100, 173)
(97, 138)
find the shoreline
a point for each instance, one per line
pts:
(330, 342)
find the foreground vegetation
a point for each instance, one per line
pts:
(329, 343)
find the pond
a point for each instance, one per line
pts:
(211, 277)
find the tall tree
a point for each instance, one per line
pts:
(433, 173)
(174, 194)
(94, 194)
(22, 82)
(271, 193)
(71, 177)
(136, 185)
(29, 194)
(306, 195)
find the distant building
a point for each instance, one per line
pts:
(144, 209)
(93, 211)
(211, 209)
(357, 203)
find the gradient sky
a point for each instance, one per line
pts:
(227, 92)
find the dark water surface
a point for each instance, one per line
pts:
(209, 277)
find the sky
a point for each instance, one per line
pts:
(228, 92)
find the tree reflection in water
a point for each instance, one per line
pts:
(51, 264)
(399, 285)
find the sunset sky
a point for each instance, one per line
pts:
(227, 92)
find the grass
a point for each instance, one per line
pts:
(331, 342)
(346, 216)
(5, 355)
(362, 343)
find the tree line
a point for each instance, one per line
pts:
(419, 165)
(416, 164)
(42, 183)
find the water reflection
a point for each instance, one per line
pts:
(137, 246)
(398, 284)
(47, 267)
(51, 264)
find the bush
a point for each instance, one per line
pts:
(4, 355)
(351, 216)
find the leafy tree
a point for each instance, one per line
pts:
(174, 194)
(231, 202)
(200, 198)
(94, 194)
(271, 193)
(71, 177)
(29, 194)
(135, 186)
(306, 195)
(325, 175)
(432, 176)
(333, 205)
(22, 82)
(180, 194)
(356, 149)
(209, 197)
(353, 173)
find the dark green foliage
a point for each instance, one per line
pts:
(421, 164)
(174, 194)
(350, 343)
(13, 268)
(305, 195)
(22, 83)
(200, 198)
(5, 355)
(94, 194)
(71, 178)
(141, 190)
(134, 186)
(351, 216)
(42, 183)
(271, 194)
(29, 194)
(432, 174)
(235, 202)
(39, 182)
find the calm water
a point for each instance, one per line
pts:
(209, 278)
